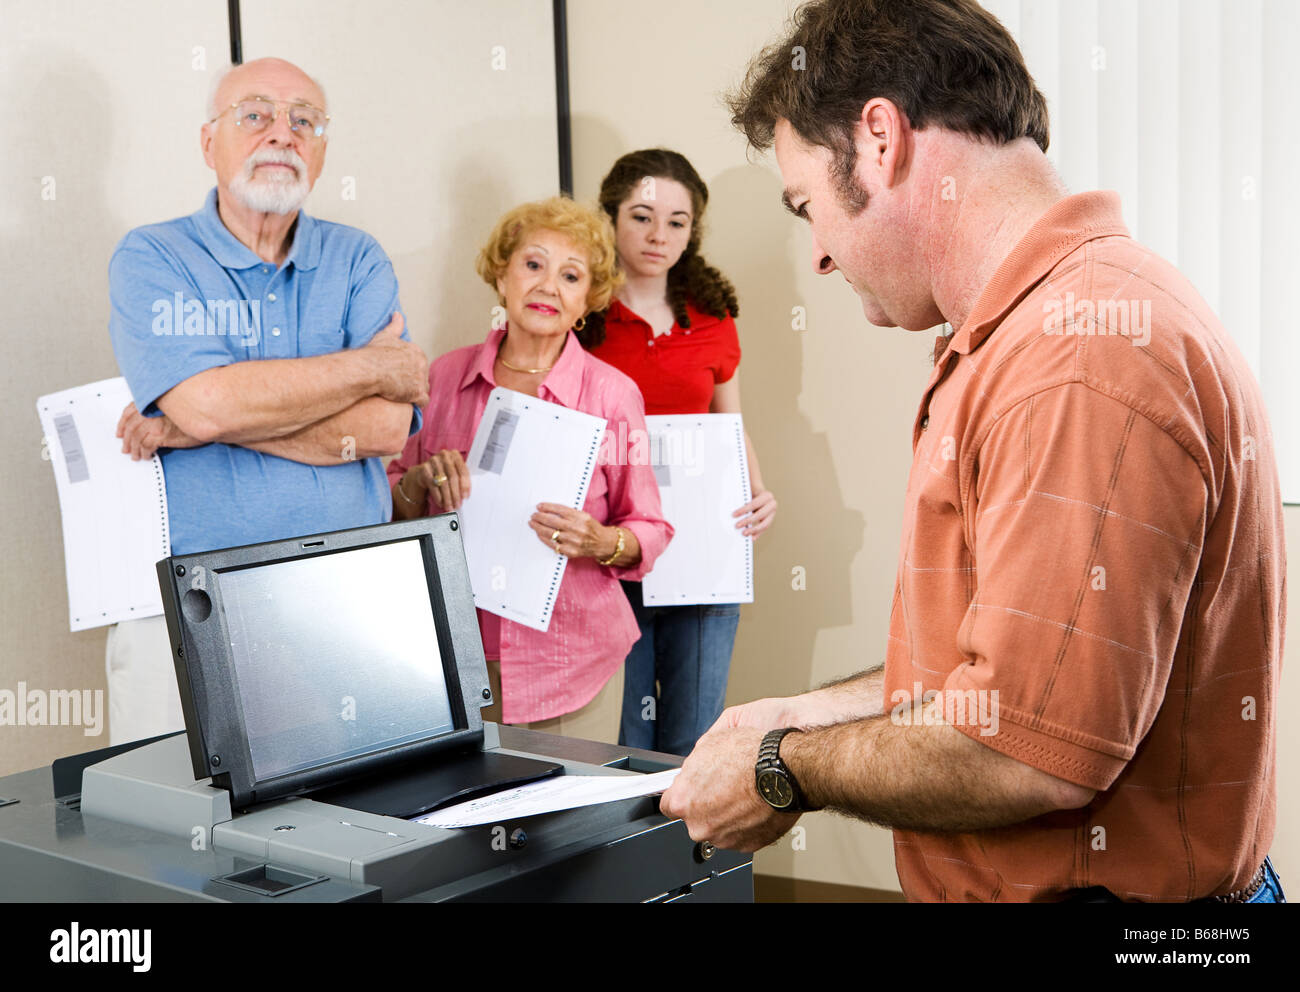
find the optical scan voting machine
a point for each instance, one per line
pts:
(331, 687)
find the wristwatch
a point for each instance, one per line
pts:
(775, 784)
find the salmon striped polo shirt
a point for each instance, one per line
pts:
(1093, 573)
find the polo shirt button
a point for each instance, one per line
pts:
(925, 421)
(649, 344)
(275, 331)
(265, 271)
(271, 297)
(688, 332)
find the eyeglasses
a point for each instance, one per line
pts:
(257, 115)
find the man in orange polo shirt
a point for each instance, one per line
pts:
(1078, 696)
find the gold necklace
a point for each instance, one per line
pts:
(515, 368)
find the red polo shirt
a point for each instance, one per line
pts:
(678, 370)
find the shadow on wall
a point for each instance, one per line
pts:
(803, 564)
(57, 231)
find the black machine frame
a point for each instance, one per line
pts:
(209, 683)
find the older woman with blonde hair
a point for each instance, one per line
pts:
(551, 263)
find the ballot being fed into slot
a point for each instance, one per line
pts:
(345, 666)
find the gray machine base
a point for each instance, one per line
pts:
(143, 830)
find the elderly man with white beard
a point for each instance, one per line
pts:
(267, 357)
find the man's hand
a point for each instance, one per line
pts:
(766, 714)
(142, 436)
(715, 793)
(401, 368)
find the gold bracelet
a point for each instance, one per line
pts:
(402, 492)
(617, 551)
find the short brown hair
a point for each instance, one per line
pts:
(588, 228)
(945, 62)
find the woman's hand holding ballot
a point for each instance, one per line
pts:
(577, 534)
(443, 475)
(757, 515)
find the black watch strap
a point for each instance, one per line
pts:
(770, 773)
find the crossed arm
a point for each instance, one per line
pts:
(915, 774)
(323, 410)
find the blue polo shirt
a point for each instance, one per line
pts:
(187, 296)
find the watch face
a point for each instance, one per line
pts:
(775, 789)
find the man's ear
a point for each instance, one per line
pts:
(206, 137)
(883, 135)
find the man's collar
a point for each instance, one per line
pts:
(1066, 225)
(231, 253)
(305, 253)
(563, 382)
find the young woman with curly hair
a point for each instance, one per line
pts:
(670, 327)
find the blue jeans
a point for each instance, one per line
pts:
(687, 651)
(1271, 890)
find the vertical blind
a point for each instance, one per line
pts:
(1187, 108)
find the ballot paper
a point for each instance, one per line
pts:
(549, 796)
(526, 451)
(703, 474)
(114, 509)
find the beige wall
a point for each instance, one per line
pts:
(100, 113)
(829, 409)
(434, 131)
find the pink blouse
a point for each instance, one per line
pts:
(545, 675)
